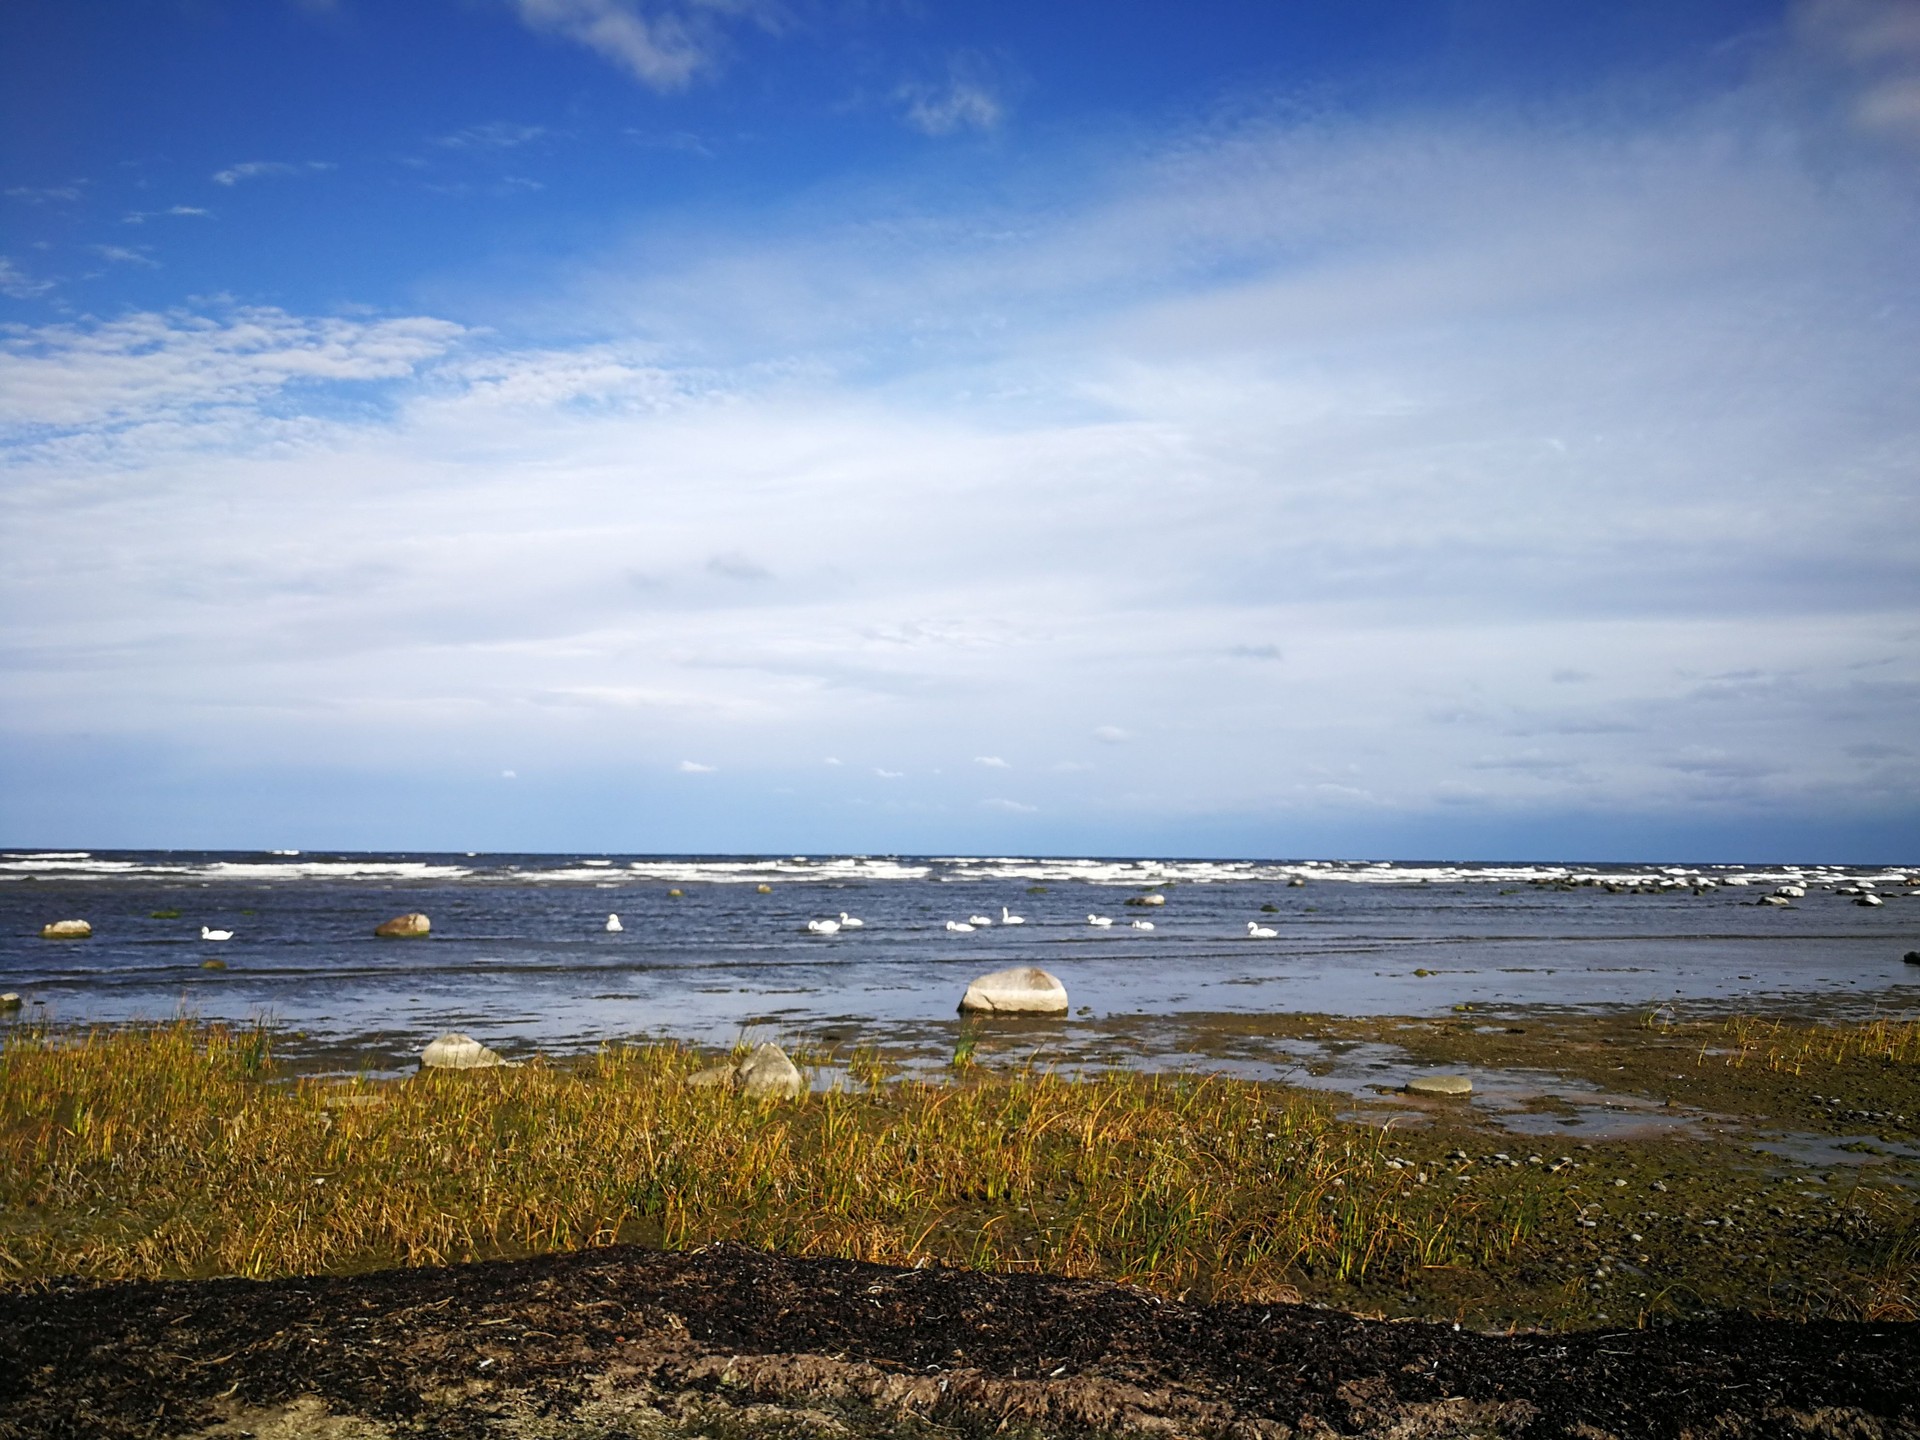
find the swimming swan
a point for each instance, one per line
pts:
(206, 934)
(614, 927)
(823, 927)
(1143, 924)
(1100, 921)
(1007, 917)
(960, 927)
(847, 922)
(1260, 932)
(980, 922)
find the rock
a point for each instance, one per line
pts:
(767, 1072)
(1297, 880)
(404, 927)
(213, 964)
(11, 1001)
(1773, 900)
(1023, 990)
(1912, 957)
(1440, 1085)
(454, 1051)
(714, 1075)
(66, 930)
(763, 889)
(1154, 899)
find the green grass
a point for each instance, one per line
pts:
(175, 1150)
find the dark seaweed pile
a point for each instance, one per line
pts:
(528, 1346)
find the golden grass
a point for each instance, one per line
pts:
(1792, 1048)
(172, 1150)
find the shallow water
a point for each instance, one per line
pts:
(520, 958)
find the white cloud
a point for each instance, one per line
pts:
(126, 255)
(16, 284)
(1005, 472)
(140, 217)
(46, 194)
(891, 774)
(993, 762)
(1012, 807)
(260, 169)
(509, 775)
(663, 52)
(965, 100)
(493, 135)
(1875, 46)
(694, 767)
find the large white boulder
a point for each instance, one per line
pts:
(768, 1072)
(66, 930)
(412, 926)
(454, 1051)
(1023, 990)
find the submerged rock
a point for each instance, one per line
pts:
(1912, 957)
(1439, 1085)
(411, 926)
(66, 930)
(1023, 990)
(11, 1001)
(454, 1051)
(768, 1072)
(723, 1076)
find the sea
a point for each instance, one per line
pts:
(712, 950)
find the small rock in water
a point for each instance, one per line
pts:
(767, 1072)
(454, 1051)
(1023, 990)
(1440, 1085)
(1912, 957)
(9, 1001)
(66, 930)
(763, 889)
(404, 927)
(213, 964)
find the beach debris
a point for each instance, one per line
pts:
(454, 1051)
(768, 1073)
(10, 1001)
(1021, 990)
(411, 926)
(614, 927)
(66, 930)
(1439, 1085)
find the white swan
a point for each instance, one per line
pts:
(823, 927)
(1100, 921)
(1260, 932)
(1143, 924)
(960, 927)
(979, 922)
(614, 927)
(847, 922)
(1007, 917)
(206, 934)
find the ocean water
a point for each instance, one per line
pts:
(520, 956)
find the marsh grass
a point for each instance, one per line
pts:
(177, 1150)
(1782, 1047)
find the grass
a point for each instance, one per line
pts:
(1781, 1047)
(177, 1150)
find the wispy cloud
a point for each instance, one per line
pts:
(664, 51)
(16, 284)
(992, 762)
(1875, 45)
(964, 100)
(493, 135)
(47, 194)
(126, 255)
(1011, 807)
(140, 217)
(262, 169)
(694, 767)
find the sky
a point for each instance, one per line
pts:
(1349, 428)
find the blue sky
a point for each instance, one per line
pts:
(1375, 429)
